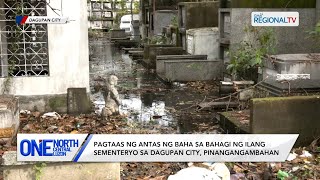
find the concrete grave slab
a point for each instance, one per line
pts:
(277, 115)
(287, 115)
(193, 70)
(203, 41)
(292, 64)
(117, 33)
(146, 51)
(161, 59)
(301, 70)
(155, 51)
(13, 170)
(78, 101)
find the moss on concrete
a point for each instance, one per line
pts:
(44, 103)
(287, 115)
(195, 66)
(232, 124)
(57, 102)
(271, 99)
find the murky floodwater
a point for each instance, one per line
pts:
(144, 98)
(137, 104)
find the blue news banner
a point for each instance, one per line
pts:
(155, 147)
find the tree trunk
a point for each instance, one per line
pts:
(131, 12)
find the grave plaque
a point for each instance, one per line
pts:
(78, 101)
(190, 45)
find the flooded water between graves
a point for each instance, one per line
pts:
(145, 99)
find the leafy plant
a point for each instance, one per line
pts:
(282, 175)
(248, 56)
(136, 7)
(174, 21)
(315, 33)
(92, 33)
(123, 5)
(158, 39)
(38, 169)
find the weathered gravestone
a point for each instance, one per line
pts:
(78, 101)
(287, 115)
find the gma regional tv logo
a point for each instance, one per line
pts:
(275, 18)
(21, 20)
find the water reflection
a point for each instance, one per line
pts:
(140, 107)
(134, 109)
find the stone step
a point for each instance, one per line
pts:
(126, 50)
(157, 51)
(126, 43)
(182, 57)
(117, 33)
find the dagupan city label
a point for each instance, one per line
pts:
(41, 20)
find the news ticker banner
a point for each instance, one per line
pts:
(155, 147)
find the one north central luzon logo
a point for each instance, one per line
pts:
(47, 147)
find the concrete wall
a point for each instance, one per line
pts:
(68, 55)
(287, 115)
(203, 41)
(193, 70)
(163, 18)
(198, 14)
(189, 17)
(289, 39)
